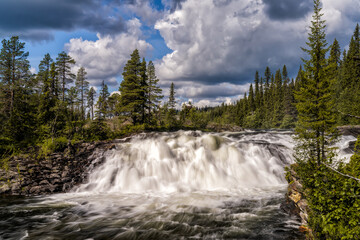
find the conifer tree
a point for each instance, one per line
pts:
(316, 118)
(64, 62)
(90, 101)
(251, 99)
(257, 90)
(154, 93)
(102, 103)
(144, 88)
(171, 112)
(47, 100)
(131, 89)
(83, 87)
(17, 110)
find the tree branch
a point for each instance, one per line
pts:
(343, 174)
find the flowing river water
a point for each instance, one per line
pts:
(182, 185)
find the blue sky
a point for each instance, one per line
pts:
(210, 49)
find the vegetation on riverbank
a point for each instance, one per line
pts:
(332, 188)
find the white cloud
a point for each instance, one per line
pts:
(233, 38)
(105, 58)
(217, 45)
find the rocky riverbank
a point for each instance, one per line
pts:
(295, 201)
(55, 173)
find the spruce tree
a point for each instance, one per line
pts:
(257, 91)
(171, 112)
(83, 87)
(47, 100)
(102, 103)
(154, 93)
(90, 101)
(144, 88)
(64, 62)
(130, 88)
(17, 107)
(316, 118)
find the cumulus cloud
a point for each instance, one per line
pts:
(145, 11)
(225, 41)
(220, 43)
(105, 58)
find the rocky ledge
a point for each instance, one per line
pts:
(295, 202)
(58, 172)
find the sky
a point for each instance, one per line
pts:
(210, 49)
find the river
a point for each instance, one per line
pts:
(181, 185)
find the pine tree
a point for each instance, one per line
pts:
(63, 66)
(314, 97)
(102, 103)
(130, 89)
(90, 101)
(349, 99)
(17, 109)
(257, 91)
(171, 112)
(251, 99)
(83, 87)
(144, 88)
(47, 100)
(154, 93)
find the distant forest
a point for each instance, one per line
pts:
(55, 106)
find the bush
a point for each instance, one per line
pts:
(49, 146)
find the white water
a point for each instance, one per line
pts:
(192, 161)
(172, 186)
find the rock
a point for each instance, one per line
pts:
(35, 190)
(44, 182)
(295, 196)
(54, 175)
(55, 181)
(290, 208)
(349, 130)
(67, 187)
(64, 173)
(4, 188)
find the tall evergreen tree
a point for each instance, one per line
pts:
(154, 93)
(316, 118)
(130, 89)
(102, 103)
(83, 87)
(144, 88)
(171, 113)
(257, 90)
(47, 99)
(64, 62)
(91, 100)
(17, 110)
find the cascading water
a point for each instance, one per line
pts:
(187, 161)
(171, 186)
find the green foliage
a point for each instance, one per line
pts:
(98, 130)
(49, 146)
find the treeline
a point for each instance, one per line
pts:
(49, 107)
(270, 101)
(55, 107)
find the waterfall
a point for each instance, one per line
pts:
(191, 161)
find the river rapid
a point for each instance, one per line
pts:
(181, 185)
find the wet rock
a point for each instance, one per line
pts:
(35, 190)
(54, 175)
(44, 182)
(58, 172)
